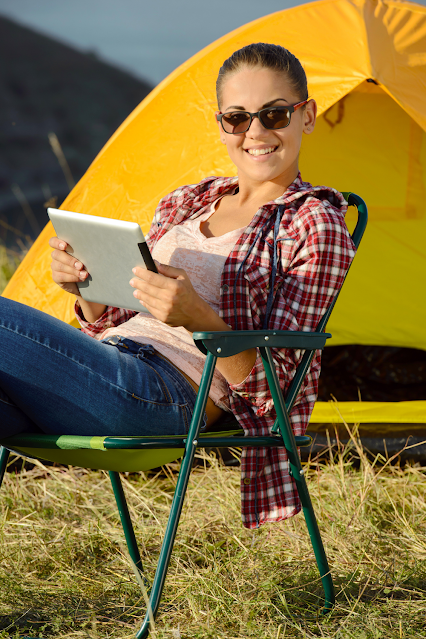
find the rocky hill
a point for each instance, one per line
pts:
(47, 87)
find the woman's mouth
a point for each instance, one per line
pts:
(263, 151)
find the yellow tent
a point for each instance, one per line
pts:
(366, 67)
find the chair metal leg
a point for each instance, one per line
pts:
(317, 545)
(179, 496)
(4, 456)
(126, 522)
(297, 473)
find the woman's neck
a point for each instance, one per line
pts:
(260, 193)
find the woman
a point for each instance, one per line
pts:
(261, 250)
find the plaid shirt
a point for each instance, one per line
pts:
(314, 251)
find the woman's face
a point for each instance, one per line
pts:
(252, 89)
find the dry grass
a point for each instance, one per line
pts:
(9, 262)
(64, 571)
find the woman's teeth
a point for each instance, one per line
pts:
(261, 151)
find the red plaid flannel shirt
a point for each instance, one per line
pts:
(314, 252)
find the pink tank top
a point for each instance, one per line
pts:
(203, 258)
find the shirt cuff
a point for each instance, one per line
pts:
(110, 317)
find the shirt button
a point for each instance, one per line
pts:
(107, 324)
(247, 480)
(225, 288)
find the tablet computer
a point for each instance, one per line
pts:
(109, 250)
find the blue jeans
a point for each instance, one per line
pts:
(57, 380)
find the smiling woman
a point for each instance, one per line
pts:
(260, 250)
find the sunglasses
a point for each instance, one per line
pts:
(271, 118)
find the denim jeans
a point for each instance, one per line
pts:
(57, 380)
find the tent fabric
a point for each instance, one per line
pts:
(366, 67)
(369, 413)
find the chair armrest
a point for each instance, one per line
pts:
(227, 343)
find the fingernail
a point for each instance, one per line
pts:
(82, 274)
(134, 270)
(61, 245)
(131, 283)
(78, 265)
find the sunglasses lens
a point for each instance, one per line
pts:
(236, 122)
(275, 118)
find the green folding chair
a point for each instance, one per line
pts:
(120, 454)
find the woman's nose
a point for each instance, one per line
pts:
(256, 128)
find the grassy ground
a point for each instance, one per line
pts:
(64, 570)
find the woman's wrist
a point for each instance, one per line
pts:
(204, 318)
(91, 311)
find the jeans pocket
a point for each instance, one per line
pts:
(155, 388)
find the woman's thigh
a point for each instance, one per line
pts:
(59, 380)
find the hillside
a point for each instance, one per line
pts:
(48, 87)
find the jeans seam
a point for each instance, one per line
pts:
(87, 368)
(150, 401)
(165, 389)
(183, 382)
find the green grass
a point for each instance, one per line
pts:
(64, 569)
(9, 262)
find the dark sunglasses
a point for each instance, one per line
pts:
(271, 118)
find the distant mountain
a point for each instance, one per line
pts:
(47, 87)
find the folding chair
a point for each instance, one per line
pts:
(117, 454)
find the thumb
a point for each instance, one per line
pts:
(169, 271)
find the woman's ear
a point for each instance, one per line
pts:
(310, 116)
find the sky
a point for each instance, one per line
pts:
(149, 38)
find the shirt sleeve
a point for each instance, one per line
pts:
(321, 257)
(110, 318)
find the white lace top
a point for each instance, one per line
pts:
(203, 259)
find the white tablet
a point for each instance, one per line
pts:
(109, 250)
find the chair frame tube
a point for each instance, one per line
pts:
(179, 496)
(126, 521)
(296, 472)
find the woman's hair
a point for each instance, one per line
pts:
(268, 56)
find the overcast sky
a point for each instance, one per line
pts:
(150, 38)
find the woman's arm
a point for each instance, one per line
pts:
(171, 298)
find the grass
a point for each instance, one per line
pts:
(64, 570)
(9, 262)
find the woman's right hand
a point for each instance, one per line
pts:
(66, 269)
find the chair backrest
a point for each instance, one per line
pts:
(293, 389)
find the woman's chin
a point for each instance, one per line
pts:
(266, 168)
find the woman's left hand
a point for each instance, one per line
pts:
(170, 296)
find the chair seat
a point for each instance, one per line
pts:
(131, 454)
(94, 452)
